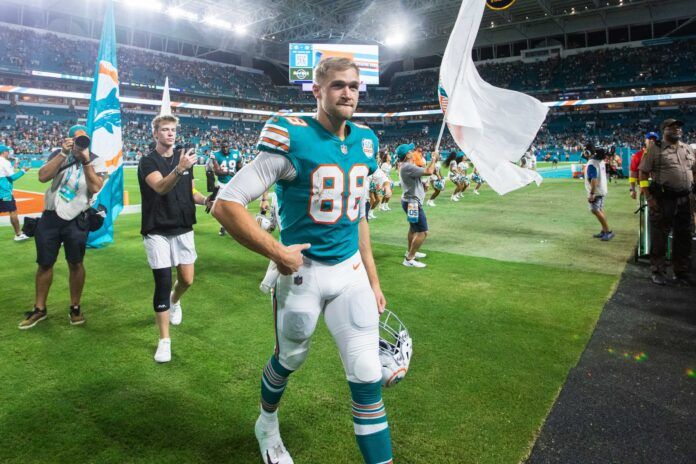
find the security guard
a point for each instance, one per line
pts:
(671, 166)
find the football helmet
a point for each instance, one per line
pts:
(395, 348)
(265, 223)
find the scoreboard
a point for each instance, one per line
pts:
(304, 57)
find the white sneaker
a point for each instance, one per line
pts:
(175, 314)
(476, 192)
(20, 237)
(418, 255)
(383, 207)
(431, 203)
(270, 444)
(164, 350)
(412, 263)
(454, 198)
(371, 215)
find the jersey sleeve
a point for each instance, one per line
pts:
(274, 137)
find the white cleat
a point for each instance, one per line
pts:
(164, 351)
(371, 215)
(476, 192)
(418, 255)
(412, 263)
(431, 203)
(454, 198)
(270, 444)
(175, 313)
(20, 237)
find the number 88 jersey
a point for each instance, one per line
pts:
(321, 205)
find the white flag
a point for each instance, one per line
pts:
(166, 103)
(493, 126)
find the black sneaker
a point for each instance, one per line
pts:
(599, 235)
(76, 316)
(658, 279)
(608, 236)
(222, 231)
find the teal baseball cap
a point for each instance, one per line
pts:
(4, 148)
(404, 149)
(77, 130)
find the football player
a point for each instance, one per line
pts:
(225, 165)
(319, 165)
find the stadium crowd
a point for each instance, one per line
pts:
(591, 70)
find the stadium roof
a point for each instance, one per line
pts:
(263, 28)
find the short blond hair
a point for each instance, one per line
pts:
(333, 63)
(163, 118)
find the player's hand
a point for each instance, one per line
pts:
(290, 259)
(67, 146)
(187, 159)
(83, 155)
(381, 301)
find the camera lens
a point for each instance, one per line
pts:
(82, 141)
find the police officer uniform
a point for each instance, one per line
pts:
(672, 169)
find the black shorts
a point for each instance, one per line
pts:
(8, 206)
(422, 224)
(51, 232)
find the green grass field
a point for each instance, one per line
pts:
(510, 297)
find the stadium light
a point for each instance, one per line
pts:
(177, 12)
(396, 39)
(240, 30)
(216, 22)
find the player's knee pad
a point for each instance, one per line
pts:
(163, 287)
(294, 357)
(365, 367)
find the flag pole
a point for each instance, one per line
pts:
(449, 97)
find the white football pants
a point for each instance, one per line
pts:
(342, 291)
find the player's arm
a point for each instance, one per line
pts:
(433, 163)
(365, 246)
(230, 210)
(164, 184)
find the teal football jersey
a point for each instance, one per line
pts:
(321, 206)
(228, 162)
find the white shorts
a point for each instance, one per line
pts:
(165, 251)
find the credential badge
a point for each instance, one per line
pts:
(368, 148)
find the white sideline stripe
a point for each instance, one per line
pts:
(5, 220)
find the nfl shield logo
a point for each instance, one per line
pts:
(298, 280)
(368, 148)
(344, 149)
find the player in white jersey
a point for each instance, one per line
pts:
(324, 256)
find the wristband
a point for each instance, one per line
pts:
(644, 183)
(177, 173)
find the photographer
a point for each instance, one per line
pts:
(169, 203)
(7, 178)
(671, 165)
(76, 175)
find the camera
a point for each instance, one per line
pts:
(82, 142)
